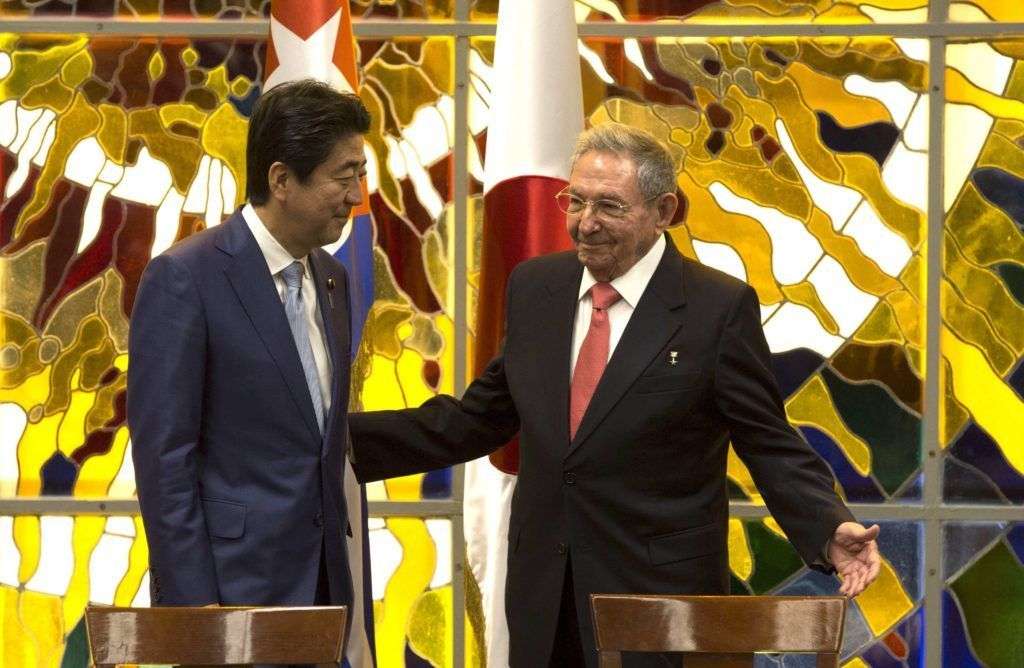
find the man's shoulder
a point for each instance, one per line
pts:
(193, 247)
(196, 247)
(191, 260)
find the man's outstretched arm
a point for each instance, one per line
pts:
(442, 432)
(796, 483)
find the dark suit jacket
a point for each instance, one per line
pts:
(638, 499)
(239, 492)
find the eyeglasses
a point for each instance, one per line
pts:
(604, 208)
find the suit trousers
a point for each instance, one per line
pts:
(321, 597)
(568, 650)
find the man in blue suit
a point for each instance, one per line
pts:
(239, 374)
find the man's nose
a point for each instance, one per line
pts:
(588, 221)
(354, 196)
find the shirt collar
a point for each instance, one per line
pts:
(632, 284)
(273, 252)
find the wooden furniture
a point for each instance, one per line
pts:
(215, 636)
(719, 631)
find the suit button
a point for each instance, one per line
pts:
(318, 520)
(561, 548)
(569, 478)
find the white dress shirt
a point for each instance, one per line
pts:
(630, 287)
(277, 259)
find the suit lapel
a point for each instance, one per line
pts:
(252, 282)
(656, 318)
(552, 335)
(334, 312)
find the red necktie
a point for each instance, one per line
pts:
(593, 355)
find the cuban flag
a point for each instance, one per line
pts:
(536, 113)
(313, 38)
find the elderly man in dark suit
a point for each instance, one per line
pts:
(238, 375)
(626, 370)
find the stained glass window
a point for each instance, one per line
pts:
(111, 150)
(804, 167)
(983, 274)
(412, 590)
(52, 567)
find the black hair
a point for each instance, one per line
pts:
(298, 124)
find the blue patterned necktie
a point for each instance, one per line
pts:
(293, 308)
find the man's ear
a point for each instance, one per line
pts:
(666, 206)
(278, 179)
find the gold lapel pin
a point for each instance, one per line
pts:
(672, 357)
(330, 283)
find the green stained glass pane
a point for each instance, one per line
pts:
(983, 601)
(774, 559)
(76, 647)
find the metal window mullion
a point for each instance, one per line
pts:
(931, 447)
(448, 508)
(109, 506)
(460, 195)
(383, 29)
(889, 512)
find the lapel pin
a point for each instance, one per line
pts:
(672, 357)
(330, 292)
(330, 283)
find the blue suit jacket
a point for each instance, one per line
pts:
(240, 494)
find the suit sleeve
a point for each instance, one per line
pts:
(442, 432)
(166, 369)
(797, 485)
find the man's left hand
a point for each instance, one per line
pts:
(854, 553)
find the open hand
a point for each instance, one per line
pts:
(854, 553)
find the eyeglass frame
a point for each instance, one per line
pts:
(592, 203)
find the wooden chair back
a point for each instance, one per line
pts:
(215, 636)
(719, 631)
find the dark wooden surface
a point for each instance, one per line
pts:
(215, 636)
(720, 631)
